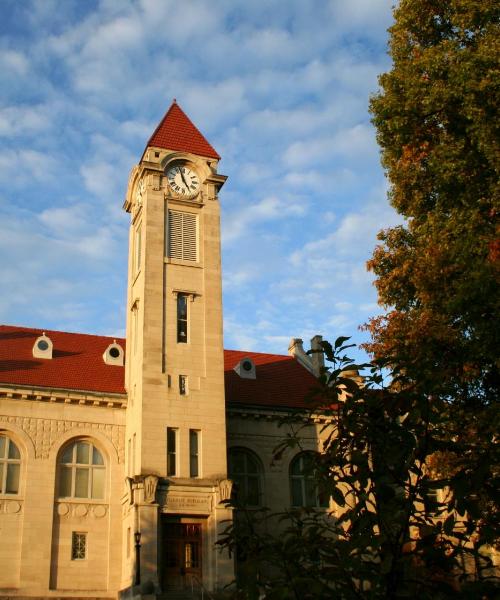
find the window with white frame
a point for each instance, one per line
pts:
(82, 471)
(10, 466)
(182, 235)
(78, 545)
(172, 443)
(304, 483)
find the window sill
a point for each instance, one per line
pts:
(183, 263)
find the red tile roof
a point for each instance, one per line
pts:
(281, 382)
(177, 132)
(77, 364)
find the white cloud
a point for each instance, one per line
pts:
(13, 61)
(240, 334)
(122, 33)
(364, 17)
(65, 221)
(326, 180)
(269, 208)
(281, 91)
(24, 165)
(353, 238)
(355, 143)
(19, 120)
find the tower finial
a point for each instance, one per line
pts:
(175, 101)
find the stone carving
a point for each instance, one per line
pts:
(130, 491)
(10, 507)
(150, 484)
(225, 488)
(62, 509)
(99, 511)
(45, 432)
(81, 509)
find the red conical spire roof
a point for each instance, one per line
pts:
(177, 132)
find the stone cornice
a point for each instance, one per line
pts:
(62, 396)
(265, 414)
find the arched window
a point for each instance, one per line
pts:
(81, 471)
(10, 466)
(304, 483)
(245, 470)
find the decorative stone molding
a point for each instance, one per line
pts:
(130, 490)
(225, 487)
(65, 397)
(150, 485)
(81, 510)
(234, 412)
(10, 506)
(99, 511)
(44, 433)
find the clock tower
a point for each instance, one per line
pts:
(176, 472)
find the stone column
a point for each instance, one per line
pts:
(223, 516)
(147, 524)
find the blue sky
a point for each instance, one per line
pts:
(279, 87)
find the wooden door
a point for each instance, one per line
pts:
(182, 552)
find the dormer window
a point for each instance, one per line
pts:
(114, 355)
(246, 369)
(42, 348)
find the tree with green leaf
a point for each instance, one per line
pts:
(437, 125)
(438, 275)
(412, 467)
(397, 530)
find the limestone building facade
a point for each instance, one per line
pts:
(116, 455)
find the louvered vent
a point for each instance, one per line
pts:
(182, 236)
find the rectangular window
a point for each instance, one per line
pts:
(182, 318)
(171, 452)
(182, 235)
(194, 453)
(183, 385)
(78, 546)
(138, 249)
(129, 534)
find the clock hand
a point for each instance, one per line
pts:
(184, 180)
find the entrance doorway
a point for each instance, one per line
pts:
(182, 555)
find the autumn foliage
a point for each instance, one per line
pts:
(437, 125)
(409, 456)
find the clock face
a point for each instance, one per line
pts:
(183, 181)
